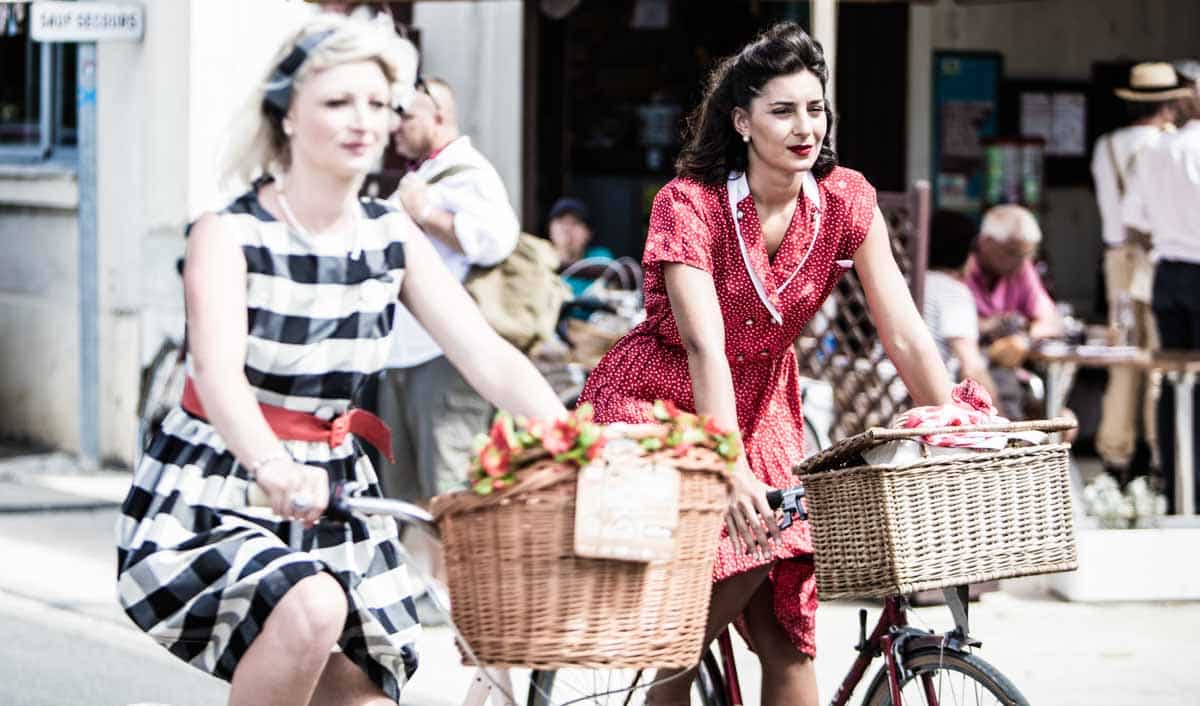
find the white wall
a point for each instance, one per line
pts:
(1047, 39)
(39, 325)
(477, 48)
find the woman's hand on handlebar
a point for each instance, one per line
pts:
(295, 490)
(750, 520)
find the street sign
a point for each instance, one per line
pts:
(86, 21)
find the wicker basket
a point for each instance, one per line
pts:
(942, 521)
(520, 597)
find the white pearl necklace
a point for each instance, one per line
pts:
(355, 250)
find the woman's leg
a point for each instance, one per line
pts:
(283, 663)
(344, 683)
(729, 598)
(788, 676)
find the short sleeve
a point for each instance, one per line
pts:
(1133, 205)
(1035, 301)
(958, 316)
(860, 208)
(678, 231)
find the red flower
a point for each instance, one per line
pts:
(502, 434)
(711, 427)
(560, 437)
(594, 450)
(494, 461)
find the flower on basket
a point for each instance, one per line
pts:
(1135, 506)
(513, 444)
(681, 431)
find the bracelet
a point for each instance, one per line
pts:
(261, 463)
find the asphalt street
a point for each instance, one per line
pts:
(64, 641)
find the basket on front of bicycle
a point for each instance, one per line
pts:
(521, 597)
(942, 520)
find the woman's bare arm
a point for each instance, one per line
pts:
(501, 373)
(905, 336)
(214, 282)
(701, 326)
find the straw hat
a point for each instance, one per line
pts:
(1152, 82)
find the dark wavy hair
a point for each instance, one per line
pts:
(714, 147)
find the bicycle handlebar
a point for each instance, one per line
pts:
(792, 504)
(343, 504)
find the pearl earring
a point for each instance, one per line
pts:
(746, 137)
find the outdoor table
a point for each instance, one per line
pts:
(1179, 369)
(1063, 360)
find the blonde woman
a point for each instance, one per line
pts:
(291, 292)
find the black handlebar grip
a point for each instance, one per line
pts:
(775, 499)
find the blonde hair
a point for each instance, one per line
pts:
(259, 146)
(1009, 222)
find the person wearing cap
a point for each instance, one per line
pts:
(1161, 204)
(570, 230)
(1151, 109)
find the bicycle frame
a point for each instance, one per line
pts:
(891, 638)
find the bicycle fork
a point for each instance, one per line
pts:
(725, 646)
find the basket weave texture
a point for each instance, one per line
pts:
(521, 598)
(943, 521)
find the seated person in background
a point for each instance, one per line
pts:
(571, 232)
(949, 305)
(1013, 306)
(1009, 295)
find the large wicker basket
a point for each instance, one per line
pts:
(521, 598)
(941, 521)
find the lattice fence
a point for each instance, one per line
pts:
(841, 345)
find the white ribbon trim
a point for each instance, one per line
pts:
(738, 188)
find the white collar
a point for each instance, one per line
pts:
(739, 188)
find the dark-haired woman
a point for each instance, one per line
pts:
(743, 247)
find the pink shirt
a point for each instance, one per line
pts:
(1020, 292)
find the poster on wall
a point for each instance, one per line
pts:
(965, 107)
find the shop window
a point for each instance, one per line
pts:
(37, 91)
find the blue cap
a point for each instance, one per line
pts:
(569, 204)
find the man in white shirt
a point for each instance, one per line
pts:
(1150, 101)
(459, 201)
(1163, 201)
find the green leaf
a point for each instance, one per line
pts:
(652, 443)
(660, 411)
(483, 486)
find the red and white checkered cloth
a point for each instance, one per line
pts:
(970, 405)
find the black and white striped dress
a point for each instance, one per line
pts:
(200, 571)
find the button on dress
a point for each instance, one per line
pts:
(693, 223)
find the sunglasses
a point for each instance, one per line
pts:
(423, 87)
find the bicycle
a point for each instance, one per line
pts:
(920, 667)
(497, 684)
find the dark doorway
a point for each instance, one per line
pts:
(872, 88)
(611, 84)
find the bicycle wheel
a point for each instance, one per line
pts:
(162, 386)
(618, 687)
(946, 679)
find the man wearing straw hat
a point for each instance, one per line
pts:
(1164, 190)
(1151, 106)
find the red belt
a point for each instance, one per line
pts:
(291, 425)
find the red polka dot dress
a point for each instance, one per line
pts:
(766, 303)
